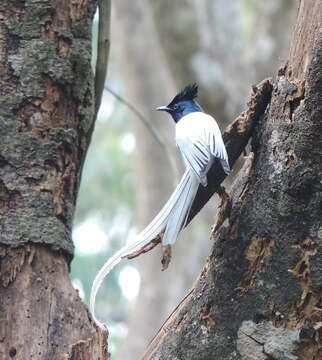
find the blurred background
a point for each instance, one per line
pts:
(157, 48)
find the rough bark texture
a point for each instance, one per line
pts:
(46, 114)
(236, 138)
(41, 315)
(259, 295)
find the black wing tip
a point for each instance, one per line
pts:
(190, 92)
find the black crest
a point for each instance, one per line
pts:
(190, 92)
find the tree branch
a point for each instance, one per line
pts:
(235, 138)
(138, 114)
(149, 127)
(103, 50)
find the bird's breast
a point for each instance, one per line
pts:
(194, 125)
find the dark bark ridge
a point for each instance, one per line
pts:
(235, 138)
(259, 295)
(46, 103)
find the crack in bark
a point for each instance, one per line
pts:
(49, 316)
(252, 338)
(12, 262)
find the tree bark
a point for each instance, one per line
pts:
(259, 294)
(46, 118)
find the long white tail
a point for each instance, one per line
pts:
(172, 218)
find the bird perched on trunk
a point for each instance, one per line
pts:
(199, 140)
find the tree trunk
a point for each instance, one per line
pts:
(46, 118)
(259, 295)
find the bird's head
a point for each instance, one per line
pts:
(183, 103)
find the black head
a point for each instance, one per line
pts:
(183, 103)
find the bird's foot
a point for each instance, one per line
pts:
(166, 256)
(224, 211)
(149, 246)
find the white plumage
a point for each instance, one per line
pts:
(199, 140)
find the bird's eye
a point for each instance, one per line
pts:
(176, 108)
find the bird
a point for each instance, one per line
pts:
(200, 142)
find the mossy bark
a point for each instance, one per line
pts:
(46, 117)
(259, 295)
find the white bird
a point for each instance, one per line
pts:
(199, 140)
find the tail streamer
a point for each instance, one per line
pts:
(171, 218)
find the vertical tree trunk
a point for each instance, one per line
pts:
(259, 295)
(46, 116)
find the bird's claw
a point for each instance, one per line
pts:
(166, 256)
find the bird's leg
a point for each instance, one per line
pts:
(224, 210)
(149, 246)
(166, 256)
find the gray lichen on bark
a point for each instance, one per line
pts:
(46, 118)
(264, 341)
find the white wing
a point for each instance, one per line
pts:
(199, 140)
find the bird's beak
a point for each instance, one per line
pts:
(163, 108)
